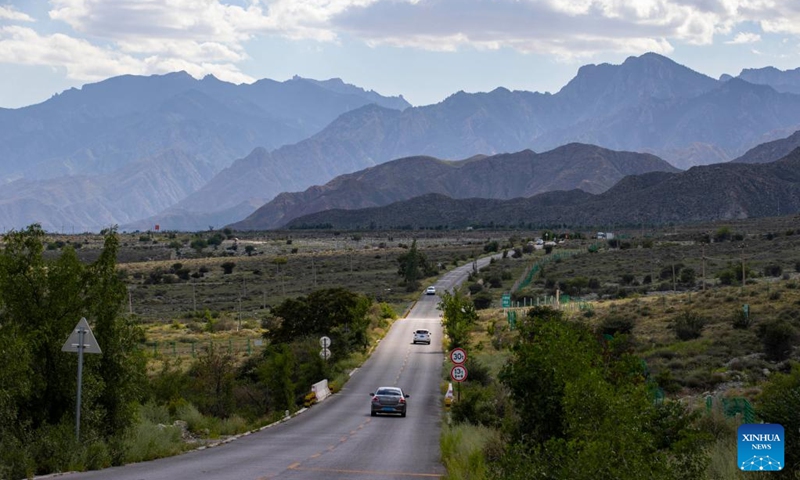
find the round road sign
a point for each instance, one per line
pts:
(324, 342)
(458, 373)
(458, 356)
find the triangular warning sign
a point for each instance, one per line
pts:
(89, 342)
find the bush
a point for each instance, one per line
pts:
(773, 270)
(777, 337)
(779, 403)
(688, 325)
(741, 321)
(615, 325)
(482, 300)
(227, 267)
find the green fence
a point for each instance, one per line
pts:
(537, 266)
(733, 407)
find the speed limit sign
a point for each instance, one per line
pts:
(458, 356)
(458, 373)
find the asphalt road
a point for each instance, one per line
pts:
(337, 438)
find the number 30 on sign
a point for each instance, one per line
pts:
(458, 373)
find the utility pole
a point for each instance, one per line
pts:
(744, 279)
(703, 248)
(130, 302)
(194, 300)
(674, 288)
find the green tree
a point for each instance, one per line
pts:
(199, 244)
(40, 303)
(458, 317)
(213, 385)
(336, 312)
(413, 265)
(584, 411)
(780, 403)
(276, 372)
(227, 267)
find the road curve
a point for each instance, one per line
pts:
(338, 439)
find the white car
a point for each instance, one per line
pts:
(430, 290)
(422, 336)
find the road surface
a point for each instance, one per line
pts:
(337, 438)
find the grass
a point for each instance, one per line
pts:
(462, 448)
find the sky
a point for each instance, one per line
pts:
(422, 49)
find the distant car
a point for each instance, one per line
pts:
(388, 400)
(430, 290)
(422, 336)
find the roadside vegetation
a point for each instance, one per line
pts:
(664, 372)
(210, 338)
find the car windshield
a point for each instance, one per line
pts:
(422, 332)
(386, 391)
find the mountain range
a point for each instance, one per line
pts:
(705, 193)
(188, 154)
(504, 176)
(647, 104)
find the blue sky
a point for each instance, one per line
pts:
(422, 49)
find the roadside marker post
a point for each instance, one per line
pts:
(81, 340)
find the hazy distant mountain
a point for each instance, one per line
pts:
(787, 81)
(704, 193)
(105, 125)
(523, 174)
(601, 90)
(648, 103)
(770, 151)
(72, 202)
(104, 129)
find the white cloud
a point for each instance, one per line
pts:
(211, 36)
(744, 37)
(81, 59)
(8, 13)
(86, 62)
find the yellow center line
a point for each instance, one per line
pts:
(315, 455)
(368, 472)
(293, 466)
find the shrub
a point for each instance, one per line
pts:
(741, 320)
(688, 325)
(779, 403)
(482, 300)
(772, 270)
(777, 337)
(227, 267)
(615, 325)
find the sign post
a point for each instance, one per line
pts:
(325, 353)
(81, 340)
(459, 372)
(506, 300)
